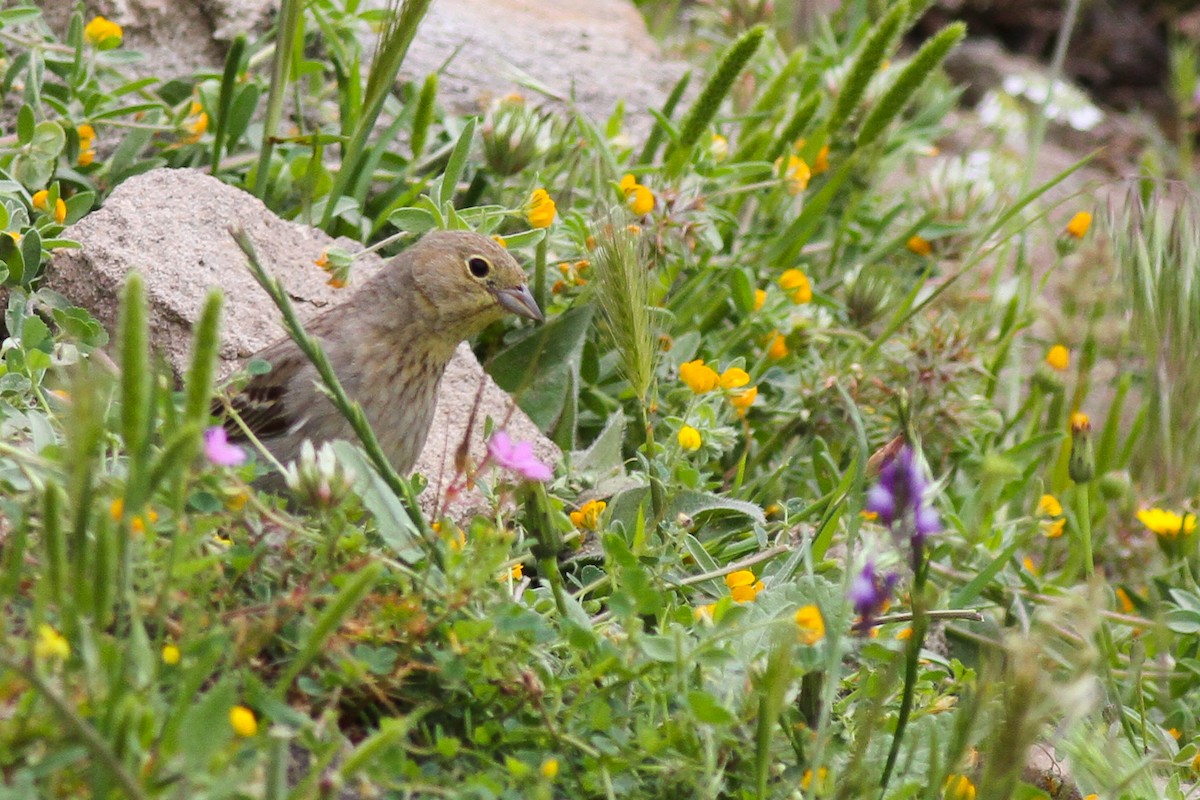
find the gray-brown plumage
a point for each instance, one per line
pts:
(389, 344)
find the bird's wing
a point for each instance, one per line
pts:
(261, 404)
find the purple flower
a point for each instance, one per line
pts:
(219, 450)
(900, 497)
(518, 457)
(869, 592)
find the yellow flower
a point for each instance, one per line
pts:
(1167, 524)
(760, 298)
(1048, 506)
(640, 200)
(689, 438)
(86, 157)
(116, 508)
(959, 787)
(103, 34)
(718, 147)
(778, 348)
(498, 239)
(517, 572)
(811, 624)
(734, 378)
(919, 245)
(41, 201)
(742, 585)
(588, 515)
(743, 400)
(698, 376)
(796, 282)
(1175, 733)
(1030, 567)
(243, 721)
(16, 237)
(1080, 422)
(796, 174)
(1052, 529)
(704, 612)
(171, 655)
(549, 769)
(1058, 358)
(627, 182)
(821, 161)
(540, 209)
(50, 645)
(807, 778)
(196, 124)
(1196, 763)
(1125, 601)
(1079, 224)
(904, 634)
(87, 135)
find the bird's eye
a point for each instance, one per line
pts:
(480, 267)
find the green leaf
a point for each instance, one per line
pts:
(457, 164)
(412, 220)
(392, 521)
(694, 503)
(796, 235)
(541, 368)
(603, 458)
(26, 124)
(49, 140)
(708, 709)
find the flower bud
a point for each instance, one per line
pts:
(1082, 465)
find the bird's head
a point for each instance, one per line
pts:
(470, 280)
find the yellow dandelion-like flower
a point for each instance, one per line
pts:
(959, 787)
(103, 34)
(698, 376)
(689, 438)
(50, 645)
(640, 200)
(1030, 567)
(797, 283)
(734, 378)
(1080, 422)
(540, 210)
(171, 655)
(1053, 528)
(1078, 226)
(778, 348)
(243, 721)
(588, 515)
(1058, 358)
(810, 623)
(1048, 506)
(796, 175)
(627, 182)
(760, 298)
(743, 400)
(919, 245)
(549, 769)
(1167, 524)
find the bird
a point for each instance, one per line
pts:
(389, 345)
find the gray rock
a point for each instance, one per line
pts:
(173, 227)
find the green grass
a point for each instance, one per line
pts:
(148, 595)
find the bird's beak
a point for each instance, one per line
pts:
(519, 301)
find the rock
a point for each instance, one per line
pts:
(598, 51)
(173, 227)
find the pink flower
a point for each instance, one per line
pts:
(517, 456)
(219, 450)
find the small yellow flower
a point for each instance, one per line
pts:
(743, 400)
(1175, 733)
(741, 577)
(87, 134)
(627, 182)
(86, 157)
(718, 147)
(778, 348)
(50, 645)
(549, 769)
(1053, 528)
(810, 624)
(171, 655)
(16, 237)
(41, 201)
(540, 209)
(796, 174)
(1030, 567)
(1079, 224)
(1048, 506)
(498, 239)
(1196, 763)
(698, 376)
(704, 612)
(588, 515)
(734, 378)
(1080, 422)
(689, 438)
(1058, 358)
(807, 778)
(243, 721)
(742, 585)
(959, 787)
(821, 161)
(919, 245)
(760, 298)
(116, 509)
(1125, 601)
(904, 634)
(796, 282)
(640, 200)
(103, 34)
(517, 572)
(1167, 524)
(196, 124)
